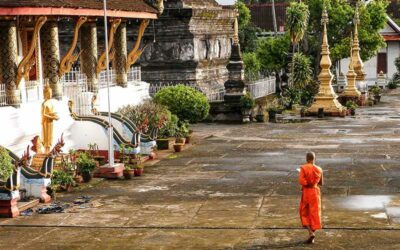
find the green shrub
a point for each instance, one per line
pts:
(247, 102)
(170, 128)
(6, 166)
(251, 63)
(185, 102)
(393, 84)
(351, 105)
(146, 116)
(62, 178)
(85, 163)
(302, 72)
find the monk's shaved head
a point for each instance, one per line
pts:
(310, 157)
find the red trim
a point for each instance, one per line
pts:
(391, 37)
(50, 11)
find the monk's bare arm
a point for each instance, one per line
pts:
(321, 181)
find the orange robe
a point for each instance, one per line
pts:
(310, 204)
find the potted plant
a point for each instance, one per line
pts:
(129, 171)
(138, 170)
(62, 180)
(350, 105)
(178, 147)
(167, 132)
(260, 114)
(86, 166)
(247, 103)
(376, 91)
(6, 165)
(182, 132)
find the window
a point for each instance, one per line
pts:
(382, 63)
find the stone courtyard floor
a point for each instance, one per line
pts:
(237, 189)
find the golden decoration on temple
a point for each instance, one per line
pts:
(326, 98)
(101, 63)
(27, 62)
(135, 53)
(69, 59)
(48, 116)
(356, 58)
(236, 31)
(351, 88)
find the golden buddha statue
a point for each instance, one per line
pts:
(48, 116)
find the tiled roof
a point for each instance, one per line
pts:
(391, 37)
(123, 5)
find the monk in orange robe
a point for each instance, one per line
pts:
(310, 205)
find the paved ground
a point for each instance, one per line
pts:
(238, 189)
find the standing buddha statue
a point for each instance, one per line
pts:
(48, 116)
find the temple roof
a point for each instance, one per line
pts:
(201, 4)
(60, 7)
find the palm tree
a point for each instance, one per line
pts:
(297, 15)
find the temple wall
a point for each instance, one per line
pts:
(192, 46)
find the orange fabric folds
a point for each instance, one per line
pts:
(310, 204)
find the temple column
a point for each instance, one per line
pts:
(120, 56)
(8, 62)
(89, 55)
(51, 57)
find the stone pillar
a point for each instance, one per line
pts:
(8, 62)
(51, 57)
(89, 55)
(120, 56)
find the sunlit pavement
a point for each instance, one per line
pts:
(237, 188)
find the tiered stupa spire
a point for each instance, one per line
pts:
(326, 98)
(356, 58)
(351, 90)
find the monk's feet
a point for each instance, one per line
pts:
(311, 239)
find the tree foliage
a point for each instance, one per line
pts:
(341, 25)
(247, 31)
(251, 62)
(297, 15)
(273, 53)
(302, 72)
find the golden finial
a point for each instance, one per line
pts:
(324, 16)
(236, 31)
(357, 16)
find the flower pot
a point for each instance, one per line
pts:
(162, 144)
(138, 171)
(352, 112)
(321, 113)
(180, 140)
(260, 118)
(129, 173)
(78, 179)
(377, 98)
(87, 177)
(246, 115)
(375, 101)
(272, 116)
(188, 139)
(178, 147)
(67, 188)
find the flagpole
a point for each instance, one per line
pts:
(110, 128)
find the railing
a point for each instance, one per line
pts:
(30, 91)
(262, 87)
(135, 74)
(3, 95)
(216, 95)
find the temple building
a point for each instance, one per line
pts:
(190, 43)
(62, 44)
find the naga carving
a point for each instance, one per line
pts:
(101, 64)
(69, 59)
(136, 52)
(26, 64)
